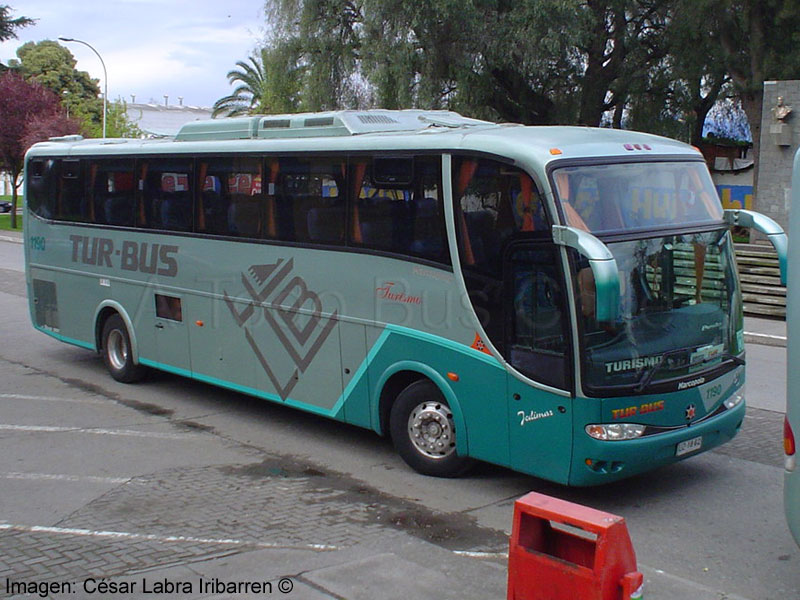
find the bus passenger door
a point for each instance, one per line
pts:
(537, 347)
(171, 334)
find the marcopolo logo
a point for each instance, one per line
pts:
(682, 385)
(293, 312)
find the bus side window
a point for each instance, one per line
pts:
(168, 307)
(42, 187)
(245, 215)
(536, 340)
(495, 204)
(110, 192)
(312, 200)
(71, 202)
(212, 207)
(166, 195)
(231, 199)
(397, 206)
(428, 238)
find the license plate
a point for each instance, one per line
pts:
(687, 446)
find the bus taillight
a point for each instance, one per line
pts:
(789, 447)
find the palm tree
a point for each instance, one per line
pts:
(269, 82)
(245, 98)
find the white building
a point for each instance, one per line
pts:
(5, 184)
(160, 120)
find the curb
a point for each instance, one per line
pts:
(765, 339)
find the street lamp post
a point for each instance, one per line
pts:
(105, 75)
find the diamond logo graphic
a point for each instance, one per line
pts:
(300, 326)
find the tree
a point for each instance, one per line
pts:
(9, 26)
(674, 96)
(760, 40)
(268, 83)
(449, 54)
(526, 66)
(501, 60)
(528, 61)
(697, 63)
(29, 113)
(622, 42)
(414, 53)
(320, 39)
(53, 66)
(657, 65)
(118, 124)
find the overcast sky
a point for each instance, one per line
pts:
(151, 48)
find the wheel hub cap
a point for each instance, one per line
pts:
(117, 350)
(431, 429)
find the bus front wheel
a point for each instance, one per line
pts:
(423, 431)
(118, 353)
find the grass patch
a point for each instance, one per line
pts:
(5, 222)
(5, 218)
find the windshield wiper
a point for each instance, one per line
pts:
(651, 371)
(644, 382)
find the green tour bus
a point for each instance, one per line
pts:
(791, 424)
(562, 301)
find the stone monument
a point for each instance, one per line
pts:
(780, 139)
(780, 129)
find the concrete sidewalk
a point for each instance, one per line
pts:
(400, 569)
(11, 236)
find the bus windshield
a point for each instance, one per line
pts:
(615, 198)
(679, 315)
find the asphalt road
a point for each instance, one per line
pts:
(176, 478)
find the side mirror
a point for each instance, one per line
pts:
(765, 225)
(603, 265)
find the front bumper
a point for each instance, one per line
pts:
(596, 462)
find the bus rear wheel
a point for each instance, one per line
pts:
(423, 431)
(118, 353)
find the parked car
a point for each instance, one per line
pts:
(5, 206)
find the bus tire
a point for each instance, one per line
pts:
(423, 431)
(118, 352)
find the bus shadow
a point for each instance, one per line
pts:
(179, 398)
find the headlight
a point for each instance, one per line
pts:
(735, 399)
(615, 431)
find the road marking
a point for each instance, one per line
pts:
(150, 537)
(487, 555)
(683, 582)
(650, 572)
(122, 432)
(49, 399)
(765, 339)
(13, 240)
(60, 477)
